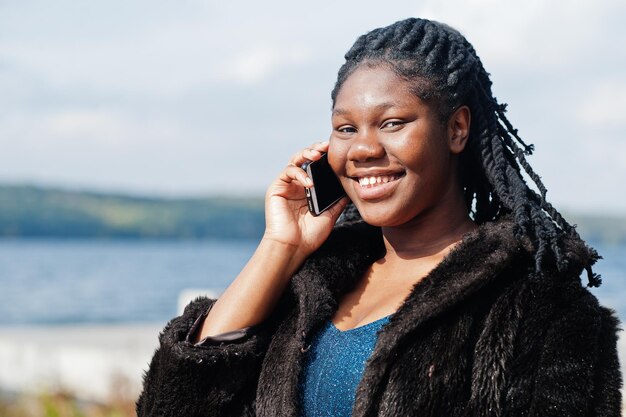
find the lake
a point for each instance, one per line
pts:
(137, 281)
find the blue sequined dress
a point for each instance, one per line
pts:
(334, 367)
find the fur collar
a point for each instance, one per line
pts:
(478, 260)
(475, 262)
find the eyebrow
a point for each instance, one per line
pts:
(382, 106)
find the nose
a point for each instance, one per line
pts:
(366, 146)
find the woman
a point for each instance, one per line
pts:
(449, 288)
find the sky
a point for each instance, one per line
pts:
(192, 98)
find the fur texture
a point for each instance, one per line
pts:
(481, 335)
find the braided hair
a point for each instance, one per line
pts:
(443, 69)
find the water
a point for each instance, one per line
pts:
(118, 281)
(612, 292)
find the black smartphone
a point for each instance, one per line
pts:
(326, 190)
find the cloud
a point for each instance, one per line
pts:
(202, 88)
(97, 126)
(603, 106)
(533, 35)
(82, 129)
(261, 61)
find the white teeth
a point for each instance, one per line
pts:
(365, 181)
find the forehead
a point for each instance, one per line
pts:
(375, 88)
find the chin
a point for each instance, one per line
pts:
(378, 215)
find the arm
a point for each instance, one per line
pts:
(184, 379)
(291, 235)
(219, 378)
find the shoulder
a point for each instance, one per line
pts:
(564, 319)
(552, 298)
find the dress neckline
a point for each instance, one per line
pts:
(362, 327)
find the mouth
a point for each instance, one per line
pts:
(370, 181)
(376, 186)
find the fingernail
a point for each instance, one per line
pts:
(308, 181)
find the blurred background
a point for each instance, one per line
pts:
(137, 139)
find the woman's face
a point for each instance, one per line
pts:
(393, 155)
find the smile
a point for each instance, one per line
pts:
(377, 180)
(376, 186)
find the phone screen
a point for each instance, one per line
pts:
(326, 190)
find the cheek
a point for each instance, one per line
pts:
(337, 157)
(427, 156)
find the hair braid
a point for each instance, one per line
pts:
(444, 69)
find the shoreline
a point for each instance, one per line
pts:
(93, 362)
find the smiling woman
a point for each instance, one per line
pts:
(448, 287)
(393, 153)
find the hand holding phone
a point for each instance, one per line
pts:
(326, 190)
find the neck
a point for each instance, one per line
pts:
(428, 234)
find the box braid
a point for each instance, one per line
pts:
(444, 70)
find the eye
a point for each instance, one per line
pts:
(391, 124)
(346, 129)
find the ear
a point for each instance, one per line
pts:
(458, 129)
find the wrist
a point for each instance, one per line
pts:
(290, 254)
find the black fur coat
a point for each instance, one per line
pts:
(479, 336)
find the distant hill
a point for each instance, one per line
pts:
(600, 228)
(30, 211)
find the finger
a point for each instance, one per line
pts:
(293, 173)
(320, 146)
(305, 155)
(312, 153)
(298, 159)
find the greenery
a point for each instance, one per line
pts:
(609, 229)
(29, 211)
(63, 404)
